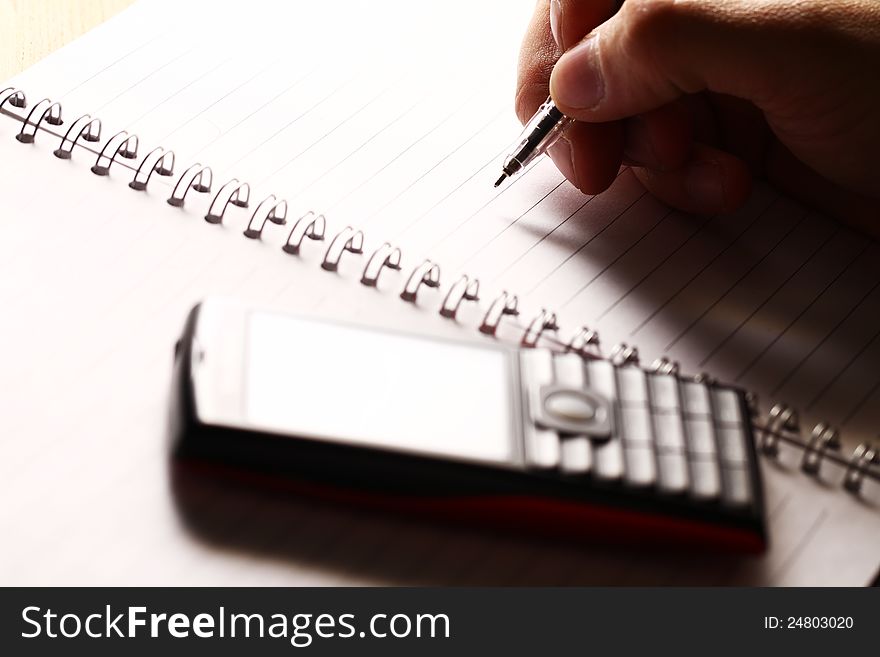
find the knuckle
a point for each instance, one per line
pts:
(656, 32)
(650, 20)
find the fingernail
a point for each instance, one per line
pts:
(577, 78)
(638, 146)
(561, 154)
(703, 183)
(556, 22)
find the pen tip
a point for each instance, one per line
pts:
(501, 179)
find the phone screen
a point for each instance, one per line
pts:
(385, 390)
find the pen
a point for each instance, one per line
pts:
(538, 135)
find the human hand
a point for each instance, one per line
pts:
(699, 96)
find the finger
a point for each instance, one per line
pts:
(741, 129)
(539, 51)
(711, 181)
(654, 51)
(660, 139)
(537, 56)
(702, 117)
(589, 155)
(571, 20)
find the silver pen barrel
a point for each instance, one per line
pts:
(538, 135)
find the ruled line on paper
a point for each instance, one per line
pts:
(294, 120)
(180, 90)
(733, 285)
(452, 191)
(140, 81)
(647, 320)
(420, 138)
(495, 195)
(360, 146)
(510, 225)
(842, 371)
(860, 404)
(620, 299)
(785, 379)
(588, 242)
(802, 544)
(619, 257)
(326, 134)
(432, 167)
(553, 230)
(254, 111)
(531, 248)
(106, 68)
(808, 260)
(794, 320)
(227, 94)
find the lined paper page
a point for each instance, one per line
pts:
(402, 141)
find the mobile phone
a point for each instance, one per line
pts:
(526, 440)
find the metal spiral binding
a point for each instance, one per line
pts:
(781, 426)
(824, 445)
(823, 438)
(542, 322)
(464, 289)
(665, 366)
(13, 96)
(233, 192)
(386, 256)
(624, 354)
(163, 164)
(782, 421)
(427, 274)
(347, 239)
(503, 304)
(122, 144)
(585, 343)
(863, 459)
(197, 177)
(308, 225)
(48, 111)
(86, 128)
(276, 214)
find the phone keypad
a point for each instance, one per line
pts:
(680, 436)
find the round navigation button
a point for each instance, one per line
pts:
(570, 406)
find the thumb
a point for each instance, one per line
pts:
(653, 51)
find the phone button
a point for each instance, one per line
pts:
(640, 468)
(672, 471)
(575, 412)
(569, 406)
(705, 477)
(543, 448)
(577, 455)
(609, 459)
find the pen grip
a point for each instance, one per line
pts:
(539, 134)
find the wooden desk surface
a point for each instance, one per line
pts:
(31, 29)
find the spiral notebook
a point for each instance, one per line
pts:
(356, 182)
